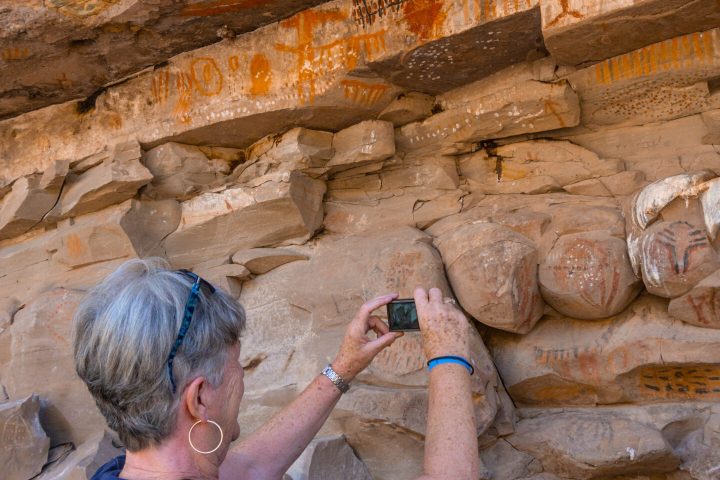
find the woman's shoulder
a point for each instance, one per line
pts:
(111, 470)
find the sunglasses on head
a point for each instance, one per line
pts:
(190, 305)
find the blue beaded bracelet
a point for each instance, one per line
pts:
(450, 359)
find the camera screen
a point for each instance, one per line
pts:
(402, 315)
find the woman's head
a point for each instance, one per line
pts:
(123, 334)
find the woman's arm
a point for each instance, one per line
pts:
(268, 453)
(451, 448)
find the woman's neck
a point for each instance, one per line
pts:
(172, 460)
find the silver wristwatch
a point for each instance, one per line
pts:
(341, 384)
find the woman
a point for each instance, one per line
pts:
(159, 351)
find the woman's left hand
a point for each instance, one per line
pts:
(357, 349)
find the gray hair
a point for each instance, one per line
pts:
(122, 335)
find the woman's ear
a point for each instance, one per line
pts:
(196, 398)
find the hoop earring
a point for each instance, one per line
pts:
(209, 451)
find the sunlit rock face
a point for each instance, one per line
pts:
(551, 165)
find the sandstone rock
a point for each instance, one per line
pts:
(508, 103)
(646, 205)
(659, 150)
(41, 362)
(408, 107)
(367, 142)
(701, 305)
(710, 200)
(328, 458)
(624, 183)
(588, 276)
(711, 119)
(387, 454)
(115, 180)
(26, 205)
(675, 256)
(218, 224)
(8, 307)
(588, 445)
(413, 191)
(297, 314)
(493, 272)
(660, 81)
(24, 446)
(579, 32)
(593, 187)
(502, 460)
(262, 260)
(536, 167)
(227, 276)
(181, 171)
(82, 462)
(639, 356)
(131, 229)
(298, 149)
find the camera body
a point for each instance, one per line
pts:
(402, 316)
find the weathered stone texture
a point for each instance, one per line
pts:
(41, 362)
(493, 271)
(639, 356)
(24, 445)
(328, 458)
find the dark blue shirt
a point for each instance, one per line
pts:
(111, 470)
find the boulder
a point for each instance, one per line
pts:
(701, 305)
(588, 445)
(26, 205)
(23, 445)
(226, 275)
(262, 260)
(274, 156)
(510, 102)
(115, 179)
(82, 462)
(710, 200)
(41, 362)
(493, 272)
(218, 224)
(328, 458)
(675, 256)
(408, 107)
(639, 356)
(588, 276)
(181, 171)
(131, 229)
(366, 142)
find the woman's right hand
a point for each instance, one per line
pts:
(445, 329)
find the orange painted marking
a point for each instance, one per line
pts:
(161, 86)
(424, 18)
(566, 12)
(206, 75)
(233, 63)
(675, 52)
(313, 60)
(260, 75)
(15, 53)
(363, 93)
(616, 68)
(551, 107)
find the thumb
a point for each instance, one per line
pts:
(384, 341)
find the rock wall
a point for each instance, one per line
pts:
(551, 164)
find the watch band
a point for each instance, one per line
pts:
(337, 380)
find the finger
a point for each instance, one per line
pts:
(421, 299)
(372, 305)
(436, 296)
(378, 326)
(383, 342)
